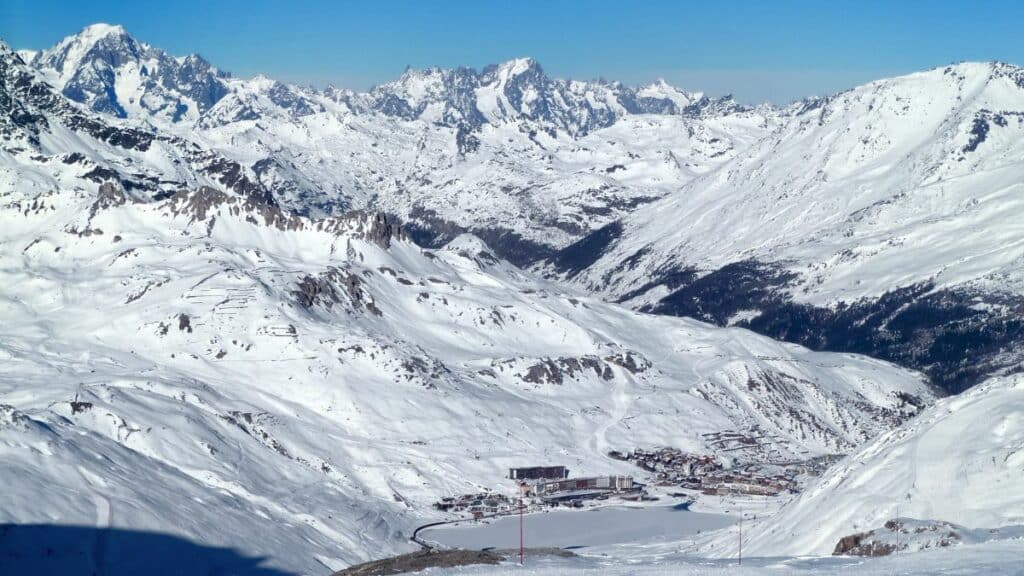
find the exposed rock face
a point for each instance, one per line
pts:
(902, 535)
(335, 286)
(29, 107)
(89, 64)
(861, 545)
(109, 196)
(378, 228)
(17, 118)
(556, 370)
(9, 416)
(427, 370)
(631, 361)
(27, 98)
(201, 205)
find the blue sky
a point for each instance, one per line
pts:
(769, 50)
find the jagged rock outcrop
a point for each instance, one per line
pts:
(202, 205)
(520, 90)
(557, 370)
(909, 535)
(333, 287)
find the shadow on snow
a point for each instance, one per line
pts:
(44, 549)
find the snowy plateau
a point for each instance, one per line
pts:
(249, 327)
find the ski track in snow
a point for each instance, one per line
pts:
(104, 519)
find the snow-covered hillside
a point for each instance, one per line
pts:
(902, 194)
(890, 184)
(961, 462)
(230, 364)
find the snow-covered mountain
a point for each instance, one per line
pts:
(520, 90)
(527, 162)
(111, 72)
(878, 221)
(526, 192)
(180, 354)
(960, 462)
(90, 148)
(883, 220)
(287, 320)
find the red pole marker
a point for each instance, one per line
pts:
(521, 532)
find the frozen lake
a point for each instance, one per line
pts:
(565, 528)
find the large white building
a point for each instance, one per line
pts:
(595, 484)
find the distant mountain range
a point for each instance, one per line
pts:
(502, 152)
(111, 72)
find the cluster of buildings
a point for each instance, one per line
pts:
(546, 486)
(542, 486)
(478, 505)
(672, 467)
(538, 473)
(669, 465)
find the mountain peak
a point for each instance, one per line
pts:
(990, 69)
(519, 65)
(93, 35)
(513, 68)
(661, 89)
(964, 70)
(96, 40)
(89, 66)
(102, 30)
